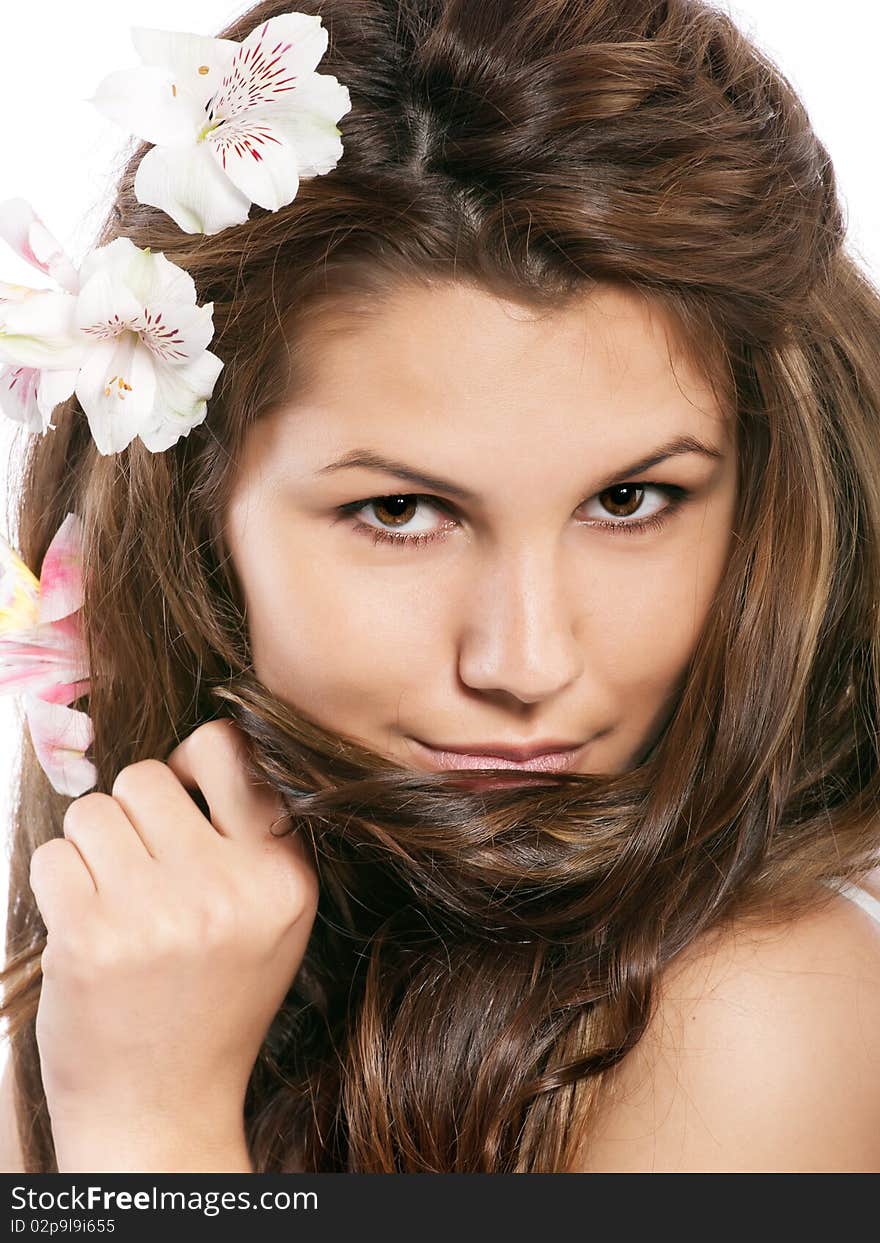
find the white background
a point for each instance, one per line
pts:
(60, 154)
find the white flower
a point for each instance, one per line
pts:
(232, 123)
(125, 335)
(39, 374)
(147, 371)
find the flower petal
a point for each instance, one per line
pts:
(54, 387)
(25, 232)
(260, 163)
(176, 333)
(14, 293)
(147, 102)
(48, 659)
(45, 662)
(169, 283)
(61, 590)
(66, 654)
(171, 323)
(284, 47)
(268, 64)
(188, 184)
(309, 122)
(116, 388)
(186, 57)
(60, 737)
(106, 307)
(40, 331)
(182, 401)
(127, 269)
(64, 692)
(18, 395)
(19, 592)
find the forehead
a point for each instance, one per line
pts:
(453, 367)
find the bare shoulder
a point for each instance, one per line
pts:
(763, 1055)
(11, 1158)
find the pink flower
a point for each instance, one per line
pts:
(43, 655)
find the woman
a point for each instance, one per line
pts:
(580, 275)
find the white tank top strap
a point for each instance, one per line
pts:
(865, 900)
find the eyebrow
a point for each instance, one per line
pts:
(368, 460)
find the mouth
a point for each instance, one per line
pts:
(550, 762)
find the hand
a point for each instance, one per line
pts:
(172, 940)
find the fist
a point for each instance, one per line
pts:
(172, 937)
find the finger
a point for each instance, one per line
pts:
(213, 759)
(162, 813)
(246, 810)
(61, 883)
(110, 846)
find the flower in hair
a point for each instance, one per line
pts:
(232, 123)
(43, 655)
(37, 331)
(124, 333)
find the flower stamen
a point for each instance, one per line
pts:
(120, 382)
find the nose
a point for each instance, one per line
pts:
(519, 629)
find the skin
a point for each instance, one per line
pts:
(527, 621)
(763, 1055)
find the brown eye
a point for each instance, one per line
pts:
(624, 509)
(626, 499)
(395, 514)
(395, 510)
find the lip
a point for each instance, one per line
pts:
(539, 759)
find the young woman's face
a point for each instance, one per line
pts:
(511, 615)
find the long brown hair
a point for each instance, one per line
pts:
(479, 961)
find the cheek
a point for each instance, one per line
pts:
(644, 637)
(327, 635)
